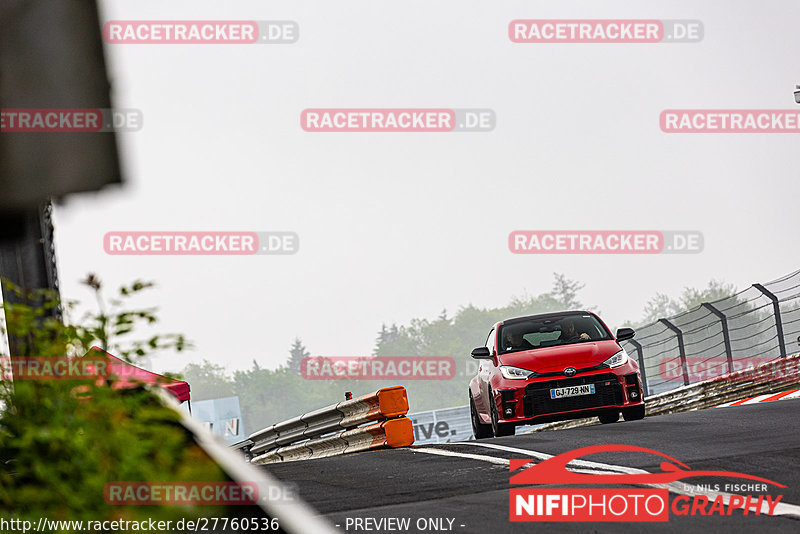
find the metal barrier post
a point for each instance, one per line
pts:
(777, 309)
(725, 336)
(681, 348)
(641, 364)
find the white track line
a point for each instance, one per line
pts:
(752, 400)
(545, 456)
(677, 488)
(761, 398)
(480, 457)
(495, 460)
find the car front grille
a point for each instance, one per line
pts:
(537, 399)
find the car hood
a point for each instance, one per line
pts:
(555, 359)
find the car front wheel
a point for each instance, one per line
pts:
(633, 414)
(608, 417)
(479, 430)
(500, 429)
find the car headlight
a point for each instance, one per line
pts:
(514, 373)
(620, 358)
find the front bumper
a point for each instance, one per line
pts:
(528, 402)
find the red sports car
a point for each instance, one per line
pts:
(552, 367)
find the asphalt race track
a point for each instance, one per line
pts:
(473, 492)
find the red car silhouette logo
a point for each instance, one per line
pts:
(554, 470)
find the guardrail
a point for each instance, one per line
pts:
(335, 429)
(768, 377)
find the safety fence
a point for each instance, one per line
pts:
(756, 325)
(371, 421)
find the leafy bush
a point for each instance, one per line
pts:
(62, 442)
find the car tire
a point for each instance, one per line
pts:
(505, 429)
(479, 430)
(608, 417)
(633, 414)
(499, 429)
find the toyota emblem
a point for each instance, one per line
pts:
(570, 371)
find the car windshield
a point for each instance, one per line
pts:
(536, 333)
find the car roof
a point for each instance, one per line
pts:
(545, 316)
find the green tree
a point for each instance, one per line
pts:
(208, 381)
(662, 306)
(565, 292)
(296, 355)
(715, 290)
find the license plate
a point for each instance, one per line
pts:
(572, 391)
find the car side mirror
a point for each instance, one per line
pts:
(481, 353)
(625, 333)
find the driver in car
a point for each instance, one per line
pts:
(515, 341)
(569, 333)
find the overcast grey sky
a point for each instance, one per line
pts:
(400, 225)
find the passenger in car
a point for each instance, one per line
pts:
(515, 341)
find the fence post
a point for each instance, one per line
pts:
(725, 336)
(777, 309)
(681, 349)
(641, 364)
